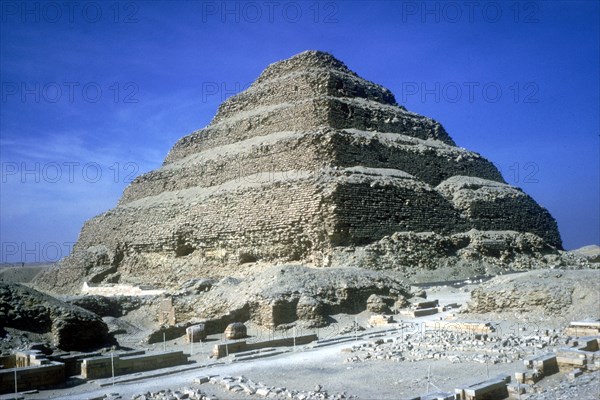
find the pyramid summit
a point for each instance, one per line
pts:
(312, 165)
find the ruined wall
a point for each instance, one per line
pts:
(35, 377)
(101, 367)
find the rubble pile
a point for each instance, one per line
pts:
(456, 347)
(168, 394)
(241, 384)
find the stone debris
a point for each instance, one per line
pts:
(260, 390)
(582, 387)
(179, 394)
(457, 347)
(491, 389)
(551, 292)
(279, 294)
(379, 304)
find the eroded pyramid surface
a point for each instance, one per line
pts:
(311, 164)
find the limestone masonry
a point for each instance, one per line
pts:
(314, 165)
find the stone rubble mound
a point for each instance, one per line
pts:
(281, 295)
(313, 165)
(565, 293)
(456, 347)
(71, 327)
(248, 387)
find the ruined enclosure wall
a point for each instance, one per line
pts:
(101, 367)
(32, 377)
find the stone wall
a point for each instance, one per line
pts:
(101, 367)
(223, 350)
(34, 377)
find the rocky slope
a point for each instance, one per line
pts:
(284, 294)
(557, 293)
(71, 327)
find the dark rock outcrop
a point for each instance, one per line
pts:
(72, 327)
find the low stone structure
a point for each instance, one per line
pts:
(569, 358)
(583, 328)
(490, 389)
(195, 333)
(32, 377)
(439, 395)
(421, 308)
(546, 364)
(102, 367)
(224, 349)
(236, 330)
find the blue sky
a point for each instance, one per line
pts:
(95, 93)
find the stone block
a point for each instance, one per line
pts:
(575, 373)
(201, 379)
(380, 320)
(421, 312)
(491, 389)
(196, 333)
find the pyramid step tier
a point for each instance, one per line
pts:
(310, 114)
(429, 160)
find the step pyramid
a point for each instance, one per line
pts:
(310, 162)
